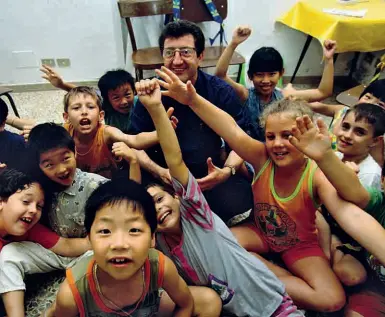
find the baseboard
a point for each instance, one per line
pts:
(46, 86)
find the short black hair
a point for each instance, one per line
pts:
(12, 181)
(265, 59)
(376, 88)
(373, 114)
(118, 190)
(49, 136)
(181, 28)
(112, 80)
(3, 112)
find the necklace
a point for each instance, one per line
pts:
(120, 310)
(82, 154)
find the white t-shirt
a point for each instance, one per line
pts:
(370, 172)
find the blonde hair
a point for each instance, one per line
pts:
(82, 90)
(289, 106)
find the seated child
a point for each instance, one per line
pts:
(117, 90)
(374, 93)
(198, 241)
(315, 143)
(21, 205)
(124, 275)
(288, 188)
(94, 140)
(12, 144)
(53, 152)
(265, 71)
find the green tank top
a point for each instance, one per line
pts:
(89, 302)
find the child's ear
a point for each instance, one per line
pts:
(377, 140)
(282, 72)
(65, 117)
(101, 116)
(153, 241)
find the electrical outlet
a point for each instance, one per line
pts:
(63, 62)
(48, 61)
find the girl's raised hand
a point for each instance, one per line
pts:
(175, 88)
(241, 34)
(314, 141)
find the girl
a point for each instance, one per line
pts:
(287, 190)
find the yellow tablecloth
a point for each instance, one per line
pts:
(365, 34)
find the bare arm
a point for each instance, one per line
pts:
(354, 221)
(150, 96)
(65, 305)
(177, 289)
(324, 234)
(221, 122)
(55, 79)
(149, 165)
(240, 35)
(325, 109)
(120, 149)
(325, 88)
(19, 123)
(315, 143)
(140, 141)
(71, 246)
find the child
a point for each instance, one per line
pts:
(117, 90)
(198, 241)
(21, 205)
(12, 144)
(315, 143)
(373, 94)
(55, 155)
(83, 116)
(124, 275)
(287, 189)
(265, 71)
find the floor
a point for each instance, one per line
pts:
(48, 106)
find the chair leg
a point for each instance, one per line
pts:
(239, 73)
(303, 53)
(12, 104)
(138, 74)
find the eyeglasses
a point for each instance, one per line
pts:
(185, 52)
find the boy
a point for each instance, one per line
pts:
(117, 90)
(21, 206)
(265, 71)
(198, 241)
(315, 143)
(374, 93)
(54, 151)
(124, 274)
(12, 144)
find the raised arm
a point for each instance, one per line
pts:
(325, 88)
(54, 78)
(150, 96)
(315, 143)
(222, 123)
(240, 34)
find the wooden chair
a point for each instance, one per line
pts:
(4, 91)
(192, 10)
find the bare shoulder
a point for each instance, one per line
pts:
(65, 301)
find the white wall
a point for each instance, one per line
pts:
(89, 33)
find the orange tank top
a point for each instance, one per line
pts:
(98, 158)
(285, 222)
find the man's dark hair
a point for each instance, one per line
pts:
(181, 28)
(3, 112)
(376, 88)
(265, 59)
(112, 80)
(116, 191)
(372, 114)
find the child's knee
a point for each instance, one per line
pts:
(206, 302)
(350, 275)
(332, 301)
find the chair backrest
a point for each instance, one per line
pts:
(196, 10)
(140, 8)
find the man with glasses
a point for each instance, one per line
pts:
(182, 46)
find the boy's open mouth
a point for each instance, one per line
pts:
(26, 220)
(119, 261)
(85, 121)
(64, 177)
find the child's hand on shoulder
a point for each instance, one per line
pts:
(121, 149)
(241, 34)
(329, 48)
(353, 166)
(149, 94)
(182, 92)
(312, 140)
